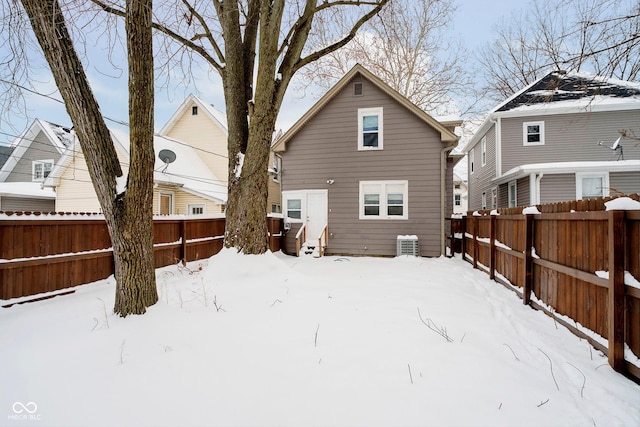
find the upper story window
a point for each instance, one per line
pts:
(41, 169)
(457, 199)
(370, 132)
(384, 199)
(533, 133)
(358, 89)
(591, 185)
(194, 110)
(483, 149)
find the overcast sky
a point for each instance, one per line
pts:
(473, 22)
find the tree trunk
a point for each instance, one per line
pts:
(128, 214)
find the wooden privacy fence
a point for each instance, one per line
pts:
(570, 263)
(44, 253)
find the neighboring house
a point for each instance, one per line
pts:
(557, 140)
(183, 185)
(204, 127)
(370, 166)
(28, 162)
(460, 195)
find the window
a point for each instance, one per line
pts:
(471, 159)
(457, 200)
(456, 186)
(483, 150)
(383, 199)
(484, 200)
(276, 208)
(357, 89)
(370, 128)
(592, 184)
(194, 110)
(533, 133)
(41, 169)
(196, 209)
(513, 194)
(494, 198)
(294, 208)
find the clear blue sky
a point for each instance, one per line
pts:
(473, 22)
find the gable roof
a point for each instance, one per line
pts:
(446, 134)
(188, 171)
(217, 117)
(560, 92)
(59, 137)
(563, 89)
(5, 153)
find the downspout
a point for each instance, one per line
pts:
(497, 122)
(538, 179)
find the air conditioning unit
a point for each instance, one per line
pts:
(408, 245)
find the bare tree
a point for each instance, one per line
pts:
(600, 36)
(256, 46)
(128, 213)
(409, 46)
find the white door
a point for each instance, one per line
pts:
(310, 207)
(316, 213)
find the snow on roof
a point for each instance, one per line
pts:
(188, 171)
(569, 167)
(26, 190)
(584, 89)
(65, 135)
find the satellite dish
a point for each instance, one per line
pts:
(615, 144)
(167, 156)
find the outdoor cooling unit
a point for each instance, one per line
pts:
(408, 245)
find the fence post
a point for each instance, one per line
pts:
(183, 240)
(616, 303)
(476, 225)
(492, 247)
(463, 244)
(527, 283)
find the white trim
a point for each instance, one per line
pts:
(525, 133)
(362, 112)
(472, 158)
(605, 183)
(483, 200)
(43, 163)
(483, 150)
(383, 192)
(192, 206)
(166, 193)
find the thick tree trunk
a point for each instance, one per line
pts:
(135, 271)
(127, 215)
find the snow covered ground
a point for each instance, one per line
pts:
(275, 340)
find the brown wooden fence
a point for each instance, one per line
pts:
(551, 260)
(44, 253)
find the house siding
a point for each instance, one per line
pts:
(327, 148)
(557, 188)
(39, 149)
(568, 138)
(75, 192)
(206, 137)
(182, 200)
(624, 182)
(18, 204)
(480, 179)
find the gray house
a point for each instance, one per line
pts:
(565, 137)
(364, 166)
(32, 157)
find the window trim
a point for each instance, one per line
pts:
(370, 112)
(286, 209)
(494, 198)
(172, 208)
(471, 161)
(483, 151)
(192, 206)
(357, 85)
(514, 185)
(525, 134)
(43, 163)
(457, 200)
(383, 200)
(594, 174)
